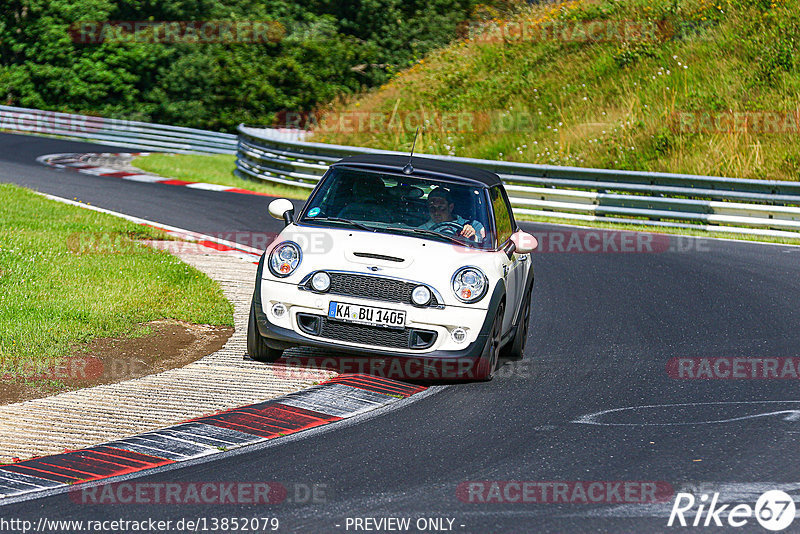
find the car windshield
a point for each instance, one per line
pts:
(423, 207)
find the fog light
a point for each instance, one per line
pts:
(421, 295)
(278, 309)
(459, 335)
(321, 281)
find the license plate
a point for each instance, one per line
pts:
(355, 313)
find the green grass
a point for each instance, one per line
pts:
(68, 275)
(605, 104)
(216, 169)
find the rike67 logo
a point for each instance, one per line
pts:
(774, 510)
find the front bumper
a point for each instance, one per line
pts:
(444, 354)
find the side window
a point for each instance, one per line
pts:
(502, 217)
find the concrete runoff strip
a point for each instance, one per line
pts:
(219, 381)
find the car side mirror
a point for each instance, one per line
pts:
(524, 242)
(281, 208)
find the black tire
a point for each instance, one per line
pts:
(257, 346)
(487, 364)
(515, 350)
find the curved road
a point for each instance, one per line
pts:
(603, 328)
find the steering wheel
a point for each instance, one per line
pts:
(447, 227)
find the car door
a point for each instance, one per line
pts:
(513, 268)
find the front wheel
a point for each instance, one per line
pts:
(487, 364)
(257, 346)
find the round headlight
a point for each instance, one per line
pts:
(421, 295)
(470, 284)
(320, 281)
(285, 258)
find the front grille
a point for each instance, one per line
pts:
(372, 287)
(374, 335)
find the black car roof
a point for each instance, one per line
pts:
(389, 162)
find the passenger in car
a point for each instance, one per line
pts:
(369, 201)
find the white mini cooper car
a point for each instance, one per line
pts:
(400, 257)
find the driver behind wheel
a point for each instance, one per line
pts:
(440, 208)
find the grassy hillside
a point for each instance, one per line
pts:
(672, 99)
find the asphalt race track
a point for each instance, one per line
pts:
(604, 327)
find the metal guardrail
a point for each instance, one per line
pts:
(765, 207)
(117, 132)
(733, 205)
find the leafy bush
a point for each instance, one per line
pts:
(329, 48)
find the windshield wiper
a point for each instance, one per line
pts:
(347, 221)
(433, 233)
